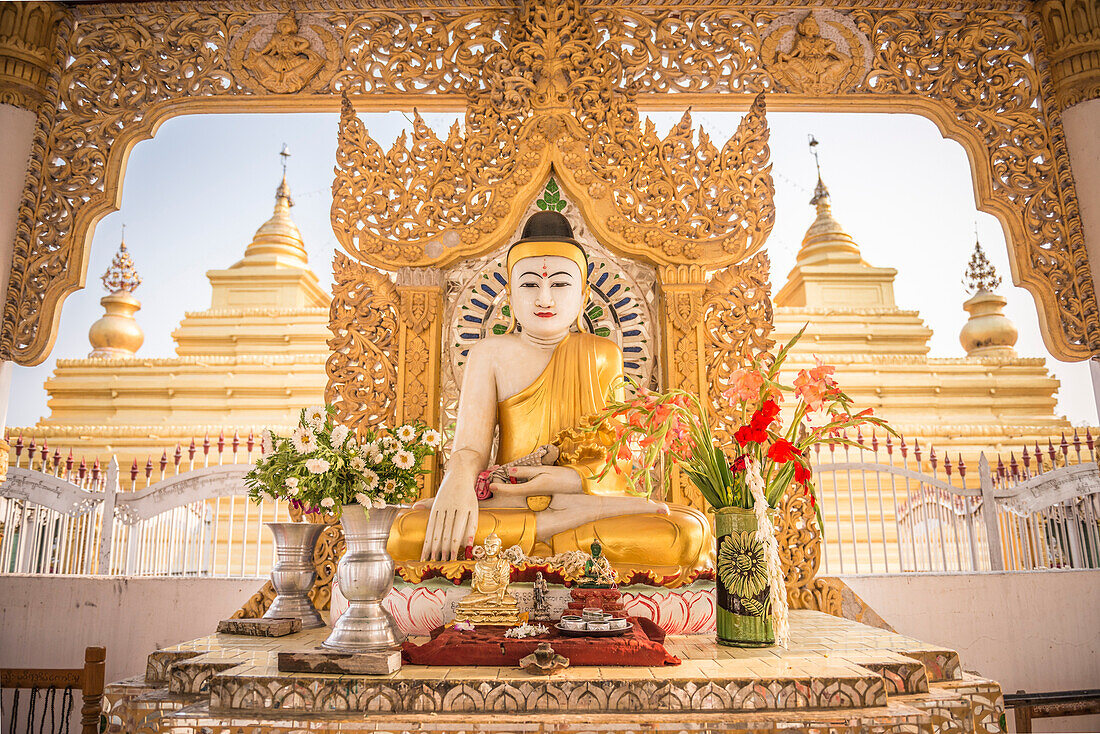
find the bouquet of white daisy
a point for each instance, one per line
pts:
(322, 466)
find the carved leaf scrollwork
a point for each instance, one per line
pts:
(737, 321)
(363, 369)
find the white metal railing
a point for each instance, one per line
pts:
(890, 507)
(174, 517)
(893, 506)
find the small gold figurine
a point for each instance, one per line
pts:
(489, 602)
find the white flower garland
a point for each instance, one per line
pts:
(527, 630)
(765, 533)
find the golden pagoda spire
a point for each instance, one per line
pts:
(988, 332)
(825, 241)
(117, 334)
(278, 240)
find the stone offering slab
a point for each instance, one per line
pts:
(331, 662)
(837, 675)
(260, 627)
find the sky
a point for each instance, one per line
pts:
(194, 195)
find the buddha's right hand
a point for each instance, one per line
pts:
(452, 523)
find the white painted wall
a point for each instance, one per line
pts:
(1034, 631)
(47, 621)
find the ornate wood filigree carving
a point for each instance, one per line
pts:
(363, 368)
(799, 540)
(737, 320)
(979, 69)
(428, 201)
(803, 59)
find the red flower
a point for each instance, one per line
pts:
(801, 473)
(757, 429)
(763, 418)
(738, 464)
(782, 451)
(750, 434)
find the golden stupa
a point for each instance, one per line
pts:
(250, 361)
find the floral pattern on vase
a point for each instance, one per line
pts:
(741, 588)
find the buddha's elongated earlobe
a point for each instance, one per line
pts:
(511, 314)
(584, 307)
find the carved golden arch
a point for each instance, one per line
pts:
(979, 69)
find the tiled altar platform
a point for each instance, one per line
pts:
(837, 676)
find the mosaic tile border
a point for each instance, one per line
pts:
(950, 713)
(156, 665)
(233, 692)
(894, 718)
(985, 699)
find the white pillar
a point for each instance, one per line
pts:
(17, 130)
(1082, 126)
(1094, 370)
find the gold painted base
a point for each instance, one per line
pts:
(502, 616)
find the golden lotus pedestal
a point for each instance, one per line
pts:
(837, 675)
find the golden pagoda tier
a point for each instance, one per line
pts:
(989, 399)
(249, 362)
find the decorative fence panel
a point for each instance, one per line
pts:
(196, 522)
(889, 507)
(894, 507)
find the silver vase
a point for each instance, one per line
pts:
(294, 573)
(365, 575)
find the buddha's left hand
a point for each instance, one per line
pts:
(533, 480)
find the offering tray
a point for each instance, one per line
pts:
(594, 633)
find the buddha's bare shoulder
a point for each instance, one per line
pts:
(495, 348)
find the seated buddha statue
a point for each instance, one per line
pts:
(489, 601)
(540, 385)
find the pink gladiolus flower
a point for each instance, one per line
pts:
(814, 385)
(744, 385)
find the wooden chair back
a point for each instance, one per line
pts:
(88, 679)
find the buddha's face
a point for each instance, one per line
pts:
(546, 293)
(492, 546)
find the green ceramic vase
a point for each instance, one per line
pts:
(741, 585)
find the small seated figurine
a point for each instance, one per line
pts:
(489, 602)
(540, 385)
(598, 573)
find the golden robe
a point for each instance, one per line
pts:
(555, 408)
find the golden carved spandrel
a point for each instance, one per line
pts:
(287, 55)
(802, 59)
(931, 57)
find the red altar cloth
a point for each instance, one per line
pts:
(642, 646)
